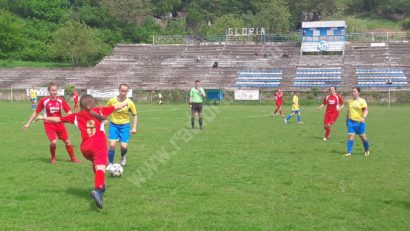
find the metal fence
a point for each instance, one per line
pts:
(311, 97)
(353, 37)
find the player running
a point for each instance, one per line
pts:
(120, 125)
(356, 122)
(33, 97)
(195, 103)
(295, 108)
(278, 100)
(53, 105)
(334, 103)
(75, 99)
(90, 122)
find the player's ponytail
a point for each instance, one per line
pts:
(87, 102)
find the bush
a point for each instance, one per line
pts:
(406, 23)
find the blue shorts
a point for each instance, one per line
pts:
(354, 127)
(295, 111)
(119, 132)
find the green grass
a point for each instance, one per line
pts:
(17, 63)
(244, 171)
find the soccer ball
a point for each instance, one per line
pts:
(116, 170)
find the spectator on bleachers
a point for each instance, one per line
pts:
(215, 66)
(198, 59)
(285, 55)
(389, 81)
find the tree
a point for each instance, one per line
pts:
(273, 15)
(129, 11)
(226, 21)
(77, 42)
(10, 33)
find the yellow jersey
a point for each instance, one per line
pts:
(33, 93)
(122, 116)
(295, 103)
(356, 109)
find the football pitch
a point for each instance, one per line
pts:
(244, 171)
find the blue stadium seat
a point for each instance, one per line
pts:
(259, 78)
(378, 77)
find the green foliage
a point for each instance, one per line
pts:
(406, 23)
(387, 8)
(27, 27)
(77, 42)
(272, 15)
(128, 11)
(10, 33)
(56, 10)
(226, 21)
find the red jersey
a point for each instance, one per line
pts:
(88, 125)
(332, 102)
(75, 97)
(51, 107)
(278, 96)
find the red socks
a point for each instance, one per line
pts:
(53, 153)
(99, 179)
(327, 133)
(70, 152)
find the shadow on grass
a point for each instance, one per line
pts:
(82, 193)
(404, 204)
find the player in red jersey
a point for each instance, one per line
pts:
(53, 105)
(278, 100)
(90, 121)
(75, 98)
(334, 103)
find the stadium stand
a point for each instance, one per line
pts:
(167, 67)
(259, 79)
(318, 77)
(381, 77)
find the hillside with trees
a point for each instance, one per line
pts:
(81, 32)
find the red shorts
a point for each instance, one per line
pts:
(55, 130)
(330, 117)
(278, 103)
(95, 149)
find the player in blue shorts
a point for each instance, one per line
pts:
(295, 108)
(120, 128)
(356, 122)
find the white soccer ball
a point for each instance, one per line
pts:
(116, 170)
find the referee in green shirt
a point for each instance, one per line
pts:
(196, 99)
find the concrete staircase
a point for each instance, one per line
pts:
(160, 67)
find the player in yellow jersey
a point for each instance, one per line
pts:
(120, 125)
(33, 97)
(356, 122)
(295, 108)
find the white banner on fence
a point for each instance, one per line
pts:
(43, 91)
(377, 44)
(246, 94)
(106, 93)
